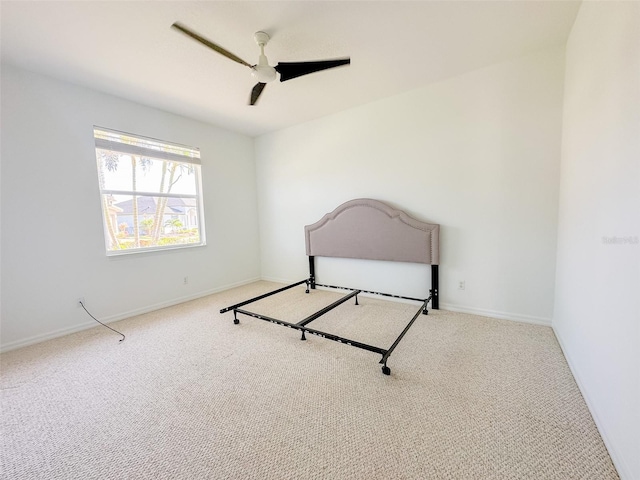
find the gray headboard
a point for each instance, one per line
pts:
(372, 230)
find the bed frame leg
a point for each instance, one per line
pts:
(386, 370)
(235, 318)
(435, 303)
(307, 290)
(357, 300)
(312, 272)
(425, 311)
(303, 337)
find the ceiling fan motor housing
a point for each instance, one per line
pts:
(262, 71)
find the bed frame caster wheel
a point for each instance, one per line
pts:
(386, 370)
(236, 321)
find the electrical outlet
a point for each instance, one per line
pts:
(461, 285)
(79, 301)
(185, 280)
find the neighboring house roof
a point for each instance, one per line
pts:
(147, 205)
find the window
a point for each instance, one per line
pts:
(150, 193)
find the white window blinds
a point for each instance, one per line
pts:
(145, 147)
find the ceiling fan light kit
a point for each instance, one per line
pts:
(262, 71)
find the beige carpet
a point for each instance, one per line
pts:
(190, 395)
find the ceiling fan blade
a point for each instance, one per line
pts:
(289, 70)
(256, 91)
(209, 44)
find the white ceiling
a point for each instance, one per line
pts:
(128, 49)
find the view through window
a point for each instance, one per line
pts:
(150, 193)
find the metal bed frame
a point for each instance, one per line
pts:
(431, 232)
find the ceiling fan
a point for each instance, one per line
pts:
(262, 71)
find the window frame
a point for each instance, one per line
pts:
(156, 150)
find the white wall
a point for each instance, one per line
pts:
(478, 154)
(52, 237)
(597, 307)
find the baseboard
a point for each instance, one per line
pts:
(280, 280)
(120, 316)
(624, 471)
(516, 317)
(46, 336)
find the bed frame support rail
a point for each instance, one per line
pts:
(319, 313)
(424, 301)
(260, 297)
(386, 354)
(328, 336)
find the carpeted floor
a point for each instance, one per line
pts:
(190, 395)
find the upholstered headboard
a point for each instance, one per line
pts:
(372, 230)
